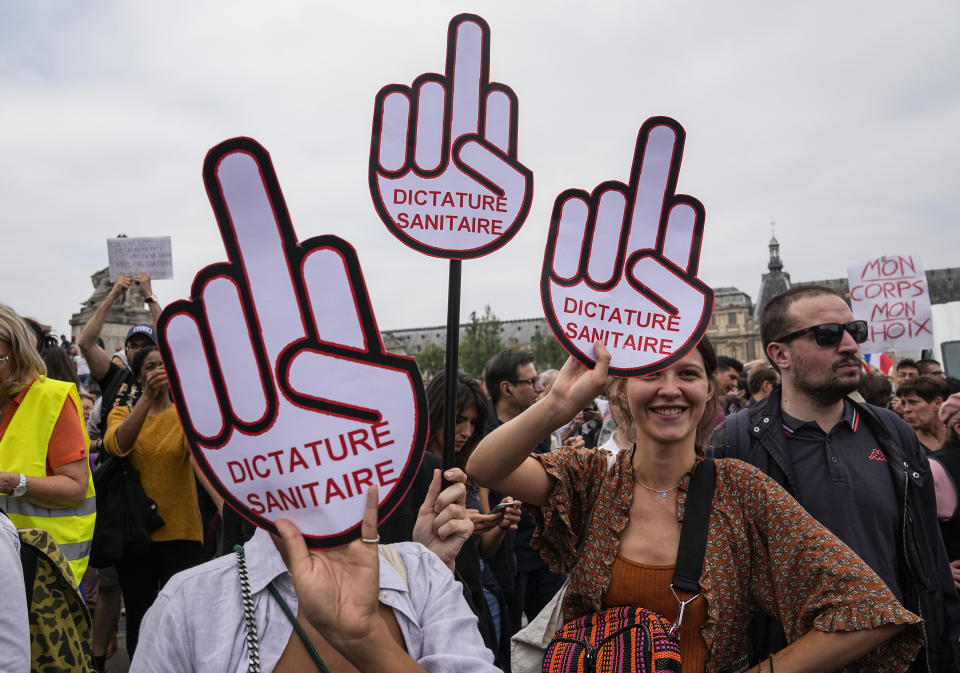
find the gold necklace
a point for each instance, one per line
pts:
(663, 493)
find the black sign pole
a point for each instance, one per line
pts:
(450, 377)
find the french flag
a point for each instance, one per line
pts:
(880, 361)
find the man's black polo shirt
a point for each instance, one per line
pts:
(844, 482)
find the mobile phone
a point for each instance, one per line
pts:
(504, 505)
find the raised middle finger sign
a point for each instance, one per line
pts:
(621, 263)
(291, 405)
(444, 174)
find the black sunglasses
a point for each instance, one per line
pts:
(831, 333)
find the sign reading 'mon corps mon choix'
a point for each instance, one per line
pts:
(891, 293)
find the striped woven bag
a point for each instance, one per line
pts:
(616, 640)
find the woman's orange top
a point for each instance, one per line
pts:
(648, 586)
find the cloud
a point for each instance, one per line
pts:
(835, 120)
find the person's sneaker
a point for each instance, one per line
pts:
(100, 664)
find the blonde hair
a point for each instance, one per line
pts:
(25, 361)
(616, 393)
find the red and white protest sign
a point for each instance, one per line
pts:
(290, 403)
(891, 294)
(444, 174)
(621, 263)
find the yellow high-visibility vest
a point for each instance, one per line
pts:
(23, 449)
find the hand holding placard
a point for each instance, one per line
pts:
(444, 174)
(289, 401)
(621, 263)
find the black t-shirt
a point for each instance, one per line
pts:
(119, 387)
(844, 482)
(527, 557)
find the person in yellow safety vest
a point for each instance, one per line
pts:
(45, 479)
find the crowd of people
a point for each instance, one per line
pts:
(832, 540)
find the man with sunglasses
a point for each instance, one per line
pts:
(856, 468)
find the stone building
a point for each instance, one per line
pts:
(513, 333)
(733, 329)
(775, 281)
(124, 314)
(944, 285)
(738, 336)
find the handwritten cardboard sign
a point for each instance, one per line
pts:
(621, 263)
(150, 254)
(444, 174)
(291, 404)
(891, 294)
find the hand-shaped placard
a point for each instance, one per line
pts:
(621, 263)
(444, 174)
(290, 403)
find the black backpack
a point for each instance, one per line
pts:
(125, 515)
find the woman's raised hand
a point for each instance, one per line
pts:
(157, 384)
(576, 387)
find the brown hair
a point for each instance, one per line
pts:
(757, 377)
(774, 322)
(876, 389)
(616, 392)
(468, 395)
(927, 388)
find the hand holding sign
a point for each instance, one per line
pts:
(289, 401)
(337, 589)
(444, 174)
(621, 264)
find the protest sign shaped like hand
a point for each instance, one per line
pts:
(621, 263)
(444, 174)
(290, 403)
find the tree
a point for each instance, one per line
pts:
(480, 342)
(432, 361)
(547, 351)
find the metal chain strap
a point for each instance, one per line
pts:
(249, 615)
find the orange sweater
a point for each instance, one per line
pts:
(162, 456)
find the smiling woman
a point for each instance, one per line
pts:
(614, 524)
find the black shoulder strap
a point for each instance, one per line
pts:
(28, 559)
(738, 435)
(693, 533)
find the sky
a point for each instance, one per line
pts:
(838, 121)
